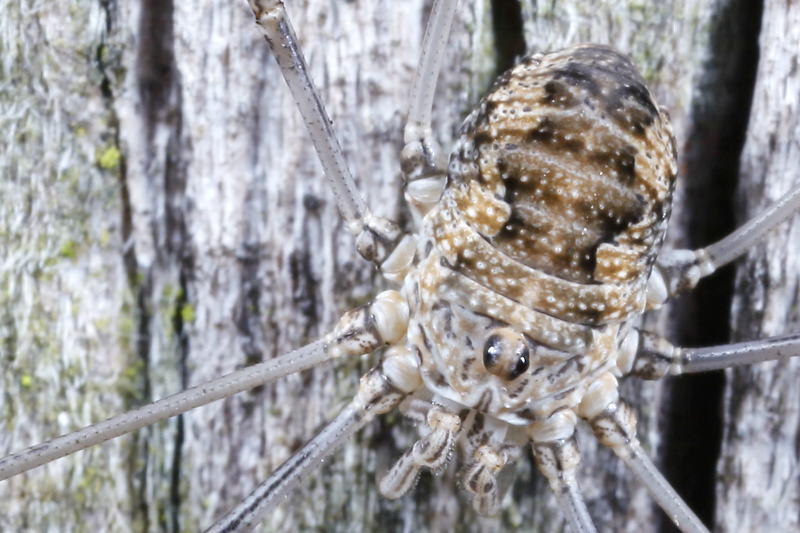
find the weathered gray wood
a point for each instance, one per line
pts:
(164, 221)
(67, 325)
(759, 476)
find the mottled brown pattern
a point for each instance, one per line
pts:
(556, 203)
(568, 168)
(593, 304)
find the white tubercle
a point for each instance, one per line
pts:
(390, 311)
(657, 292)
(627, 352)
(401, 368)
(600, 395)
(424, 193)
(400, 261)
(559, 425)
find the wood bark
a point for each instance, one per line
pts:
(164, 220)
(758, 466)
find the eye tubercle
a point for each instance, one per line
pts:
(506, 354)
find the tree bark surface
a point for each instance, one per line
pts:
(164, 220)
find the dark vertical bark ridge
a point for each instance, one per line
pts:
(158, 85)
(710, 161)
(509, 35)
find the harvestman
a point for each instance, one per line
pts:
(578, 347)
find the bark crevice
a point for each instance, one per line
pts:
(159, 90)
(693, 417)
(508, 28)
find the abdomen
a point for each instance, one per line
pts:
(567, 169)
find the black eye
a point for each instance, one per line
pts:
(492, 351)
(521, 364)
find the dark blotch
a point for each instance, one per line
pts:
(543, 133)
(635, 90)
(512, 227)
(578, 75)
(611, 226)
(627, 99)
(481, 138)
(425, 340)
(624, 163)
(558, 95)
(573, 145)
(526, 414)
(502, 165)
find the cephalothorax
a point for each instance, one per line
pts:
(538, 248)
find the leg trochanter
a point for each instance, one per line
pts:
(377, 237)
(614, 425)
(656, 357)
(557, 461)
(678, 271)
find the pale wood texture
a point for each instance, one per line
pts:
(163, 220)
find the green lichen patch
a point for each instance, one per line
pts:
(109, 158)
(187, 313)
(68, 250)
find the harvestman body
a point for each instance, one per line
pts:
(538, 249)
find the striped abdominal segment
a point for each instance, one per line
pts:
(568, 167)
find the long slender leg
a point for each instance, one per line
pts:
(557, 456)
(381, 390)
(655, 356)
(680, 270)
(272, 18)
(424, 165)
(558, 461)
(377, 236)
(359, 331)
(614, 425)
(418, 132)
